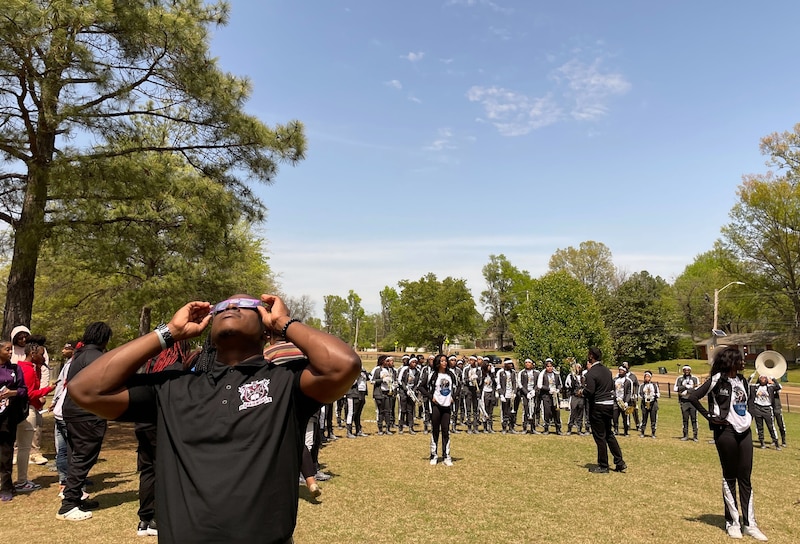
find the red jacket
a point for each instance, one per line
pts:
(33, 377)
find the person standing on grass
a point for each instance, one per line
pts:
(356, 397)
(634, 395)
(649, 393)
(599, 392)
(85, 430)
(727, 392)
(572, 384)
(13, 404)
(762, 395)
(231, 427)
(440, 390)
(31, 371)
(684, 386)
(548, 385)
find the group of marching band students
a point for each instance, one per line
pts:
(478, 386)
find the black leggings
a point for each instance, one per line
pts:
(440, 420)
(736, 457)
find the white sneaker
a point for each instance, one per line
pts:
(448, 462)
(433, 461)
(755, 532)
(734, 531)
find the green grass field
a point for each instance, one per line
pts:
(502, 488)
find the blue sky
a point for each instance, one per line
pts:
(443, 131)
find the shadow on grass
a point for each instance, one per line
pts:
(715, 520)
(305, 495)
(110, 500)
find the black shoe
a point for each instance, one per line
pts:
(141, 530)
(620, 468)
(147, 528)
(89, 504)
(599, 470)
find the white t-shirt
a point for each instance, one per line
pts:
(738, 415)
(443, 389)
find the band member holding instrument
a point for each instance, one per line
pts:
(649, 393)
(472, 390)
(487, 401)
(408, 378)
(599, 393)
(762, 396)
(507, 384)
(439, 388)
(633, 407)
(527, 385)
(548, 385)
(684, 386)
(727, 393)
(572, 385)
(623, 389)
(383, 380)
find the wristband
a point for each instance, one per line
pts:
(285, 327)
(164, 336)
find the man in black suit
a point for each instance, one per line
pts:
(599, 390)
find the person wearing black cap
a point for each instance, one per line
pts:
(599, 392)
(684, 386)
(549, 386)
(649, 394)
(727, 415)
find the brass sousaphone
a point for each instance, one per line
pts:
(770, 363)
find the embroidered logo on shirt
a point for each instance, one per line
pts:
(254, 394)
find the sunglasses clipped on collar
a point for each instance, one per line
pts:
(249, 303)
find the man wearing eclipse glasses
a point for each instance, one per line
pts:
(232, 424)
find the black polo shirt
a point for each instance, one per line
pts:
(228, 454)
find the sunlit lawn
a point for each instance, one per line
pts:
(502, 488)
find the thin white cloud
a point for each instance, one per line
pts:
(583, 90)
(494, 6)
(414, 99)
(590, 88)
(502, 33)
(443, 142)
(513, 113)
(446, 61)
(394, 84)
(413, 57)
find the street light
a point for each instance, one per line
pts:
(715, 332)
(716, 301)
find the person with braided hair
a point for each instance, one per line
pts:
(232, 424)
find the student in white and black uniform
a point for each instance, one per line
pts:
(487, 400)
(356, 398)
(634, 393)
(471, 385)
(761, 398)
(407, 380)
(777, 411)
(623, 389)
(548, 385)
(526, 381)
(507, 385)
(572, 385)
(649, 393)
(729, 419)
(439, 387)
(684, 386)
